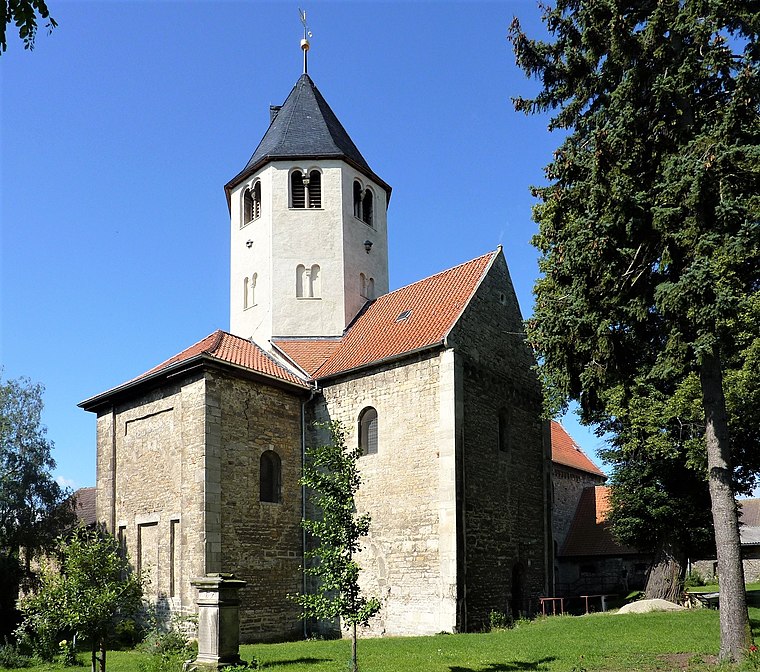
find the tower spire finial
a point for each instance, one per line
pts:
(305, 42)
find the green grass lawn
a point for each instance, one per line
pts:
(714, 588)
(610, 642)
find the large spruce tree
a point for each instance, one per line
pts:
(649, 223)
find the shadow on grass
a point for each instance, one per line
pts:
(510, 666)
(299, 661)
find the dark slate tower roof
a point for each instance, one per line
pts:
(305, 128)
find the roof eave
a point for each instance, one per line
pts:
(186, 365)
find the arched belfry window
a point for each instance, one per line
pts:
(357, 200)
(270, 474)
(297, 190)
(252, 203)
(367, 208)
(315, 189)
(368, 431)
(257, 200)
(306, 190)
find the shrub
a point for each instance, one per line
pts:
(67, 653)
(694, 579)
(498, 620)
(11, 657)
(159, 642)
(168, 649)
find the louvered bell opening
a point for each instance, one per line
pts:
(357, 200)
(367, 208)
(247, 207)
(297, 190)
(315, 189)
(257, 200)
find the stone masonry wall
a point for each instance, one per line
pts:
(506, 507)
(409, 559)
(260, 542)
(567, 486)
(150, 486)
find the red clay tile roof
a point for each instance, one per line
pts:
(408, 319)
(590, 534)
(309, 354)
(568, 453)
(231, 349)
(219, 346)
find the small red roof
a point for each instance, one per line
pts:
(231, 349)
(219, 346)
(309, 354)
(568, 453)
(590, 532)
(411, 318)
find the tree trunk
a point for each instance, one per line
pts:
(735, 634)
(665, 578)
(94, 667)
(102, 655)
(354, 663)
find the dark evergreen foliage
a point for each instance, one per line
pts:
(649, 229)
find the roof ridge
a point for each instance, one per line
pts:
(218, 336)
(299, 90)
(435, 275)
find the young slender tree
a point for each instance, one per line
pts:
(87, 590)
(648, 226)
(332, 477)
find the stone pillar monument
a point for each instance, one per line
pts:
(218, 620)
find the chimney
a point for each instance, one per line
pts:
(273, 111)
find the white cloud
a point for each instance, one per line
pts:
(66, 482)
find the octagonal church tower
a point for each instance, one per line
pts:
(308, 243)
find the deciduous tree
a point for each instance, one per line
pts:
(86, 590)
(649, 223)
(23, 13)
(332, 477)
(34, 509)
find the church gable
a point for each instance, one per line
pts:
(407, 320)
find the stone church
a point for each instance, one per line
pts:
(199, 458)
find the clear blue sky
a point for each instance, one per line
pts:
(121, 128)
